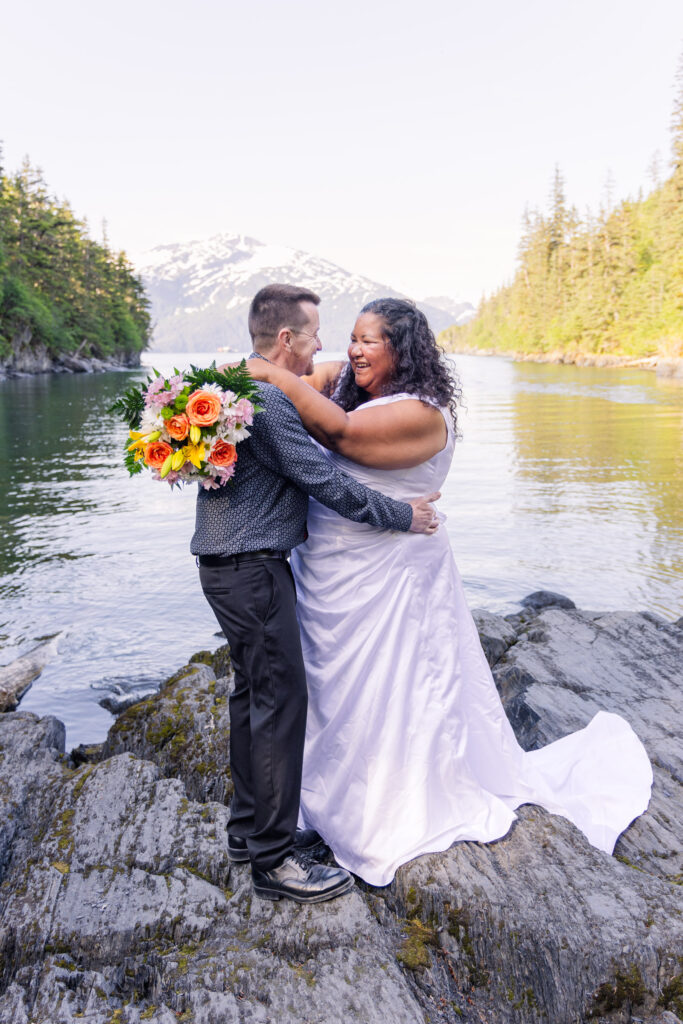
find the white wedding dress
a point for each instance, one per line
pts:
(408, 748)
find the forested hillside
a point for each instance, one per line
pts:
(60, 291)
(609, 284)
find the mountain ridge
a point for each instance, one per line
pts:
(200, 292)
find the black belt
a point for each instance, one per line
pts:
(242, 556)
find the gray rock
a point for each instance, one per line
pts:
(546, 599)
(27, 357)
(16, 678)
(495, 633)
(116, 905)
(185, 729)
(567, 665)
(541, 925)
(30, 753)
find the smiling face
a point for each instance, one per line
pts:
(305, 341)
(371, 355)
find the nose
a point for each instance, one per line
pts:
(318, 343)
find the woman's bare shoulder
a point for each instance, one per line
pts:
(325, 376)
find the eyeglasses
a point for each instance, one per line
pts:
(295, 330)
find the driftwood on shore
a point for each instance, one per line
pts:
(118, 904)
(16, 678)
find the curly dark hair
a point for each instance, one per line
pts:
(420, 368)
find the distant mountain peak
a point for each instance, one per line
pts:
(201, 291)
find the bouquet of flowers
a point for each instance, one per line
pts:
(185, 428)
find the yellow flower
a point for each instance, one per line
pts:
(140, 439)
(195, 434)
(138, 447)
(178, 460)
(194, 453)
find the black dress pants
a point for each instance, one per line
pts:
(254, 602)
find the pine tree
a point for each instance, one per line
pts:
(57, 285)
(606, 284)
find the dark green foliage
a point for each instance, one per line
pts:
(235, 378)
(131, 404)
(58, 287)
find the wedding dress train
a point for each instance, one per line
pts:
(408, 747)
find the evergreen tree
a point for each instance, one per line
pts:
(606, 284)
(58, 287)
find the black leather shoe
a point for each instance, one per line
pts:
(299, 883)
(307, 839)
(237, 850)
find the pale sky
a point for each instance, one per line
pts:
(399, 139)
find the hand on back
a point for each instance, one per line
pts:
(424, 514)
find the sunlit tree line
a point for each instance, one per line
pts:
(610, 283)
(58, 287)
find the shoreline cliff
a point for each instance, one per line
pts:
(663, 366)
(29, 357)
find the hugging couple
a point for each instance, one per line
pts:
(364, 708)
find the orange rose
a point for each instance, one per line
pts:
(203, 408)
(156, 453)
(178, 427)
(223, 454)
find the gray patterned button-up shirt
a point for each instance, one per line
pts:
(278, 467)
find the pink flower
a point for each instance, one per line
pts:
(243, 411)
(158, 395)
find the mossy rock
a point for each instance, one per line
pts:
(184, 729)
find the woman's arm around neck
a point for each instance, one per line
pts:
(396, 435)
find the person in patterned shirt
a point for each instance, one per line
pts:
(242, 539)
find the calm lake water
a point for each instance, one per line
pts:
(566, 478)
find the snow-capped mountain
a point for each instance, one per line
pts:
(459, 312)
(201, 291)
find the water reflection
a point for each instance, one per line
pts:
(565, 478)
(600, 467)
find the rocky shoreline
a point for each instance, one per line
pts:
(118, 904)
(28, 359)
(664, 366)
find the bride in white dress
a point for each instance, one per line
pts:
(408, 748)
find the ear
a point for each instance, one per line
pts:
(284, 339)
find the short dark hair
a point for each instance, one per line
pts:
(277, 306)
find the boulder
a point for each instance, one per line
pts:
(546, 599)
(185, 728)
(117, 903)
(567, 665)
(495, 633)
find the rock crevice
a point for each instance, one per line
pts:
(118, 903)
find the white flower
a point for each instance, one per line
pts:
(150, 421)
(238, 433)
